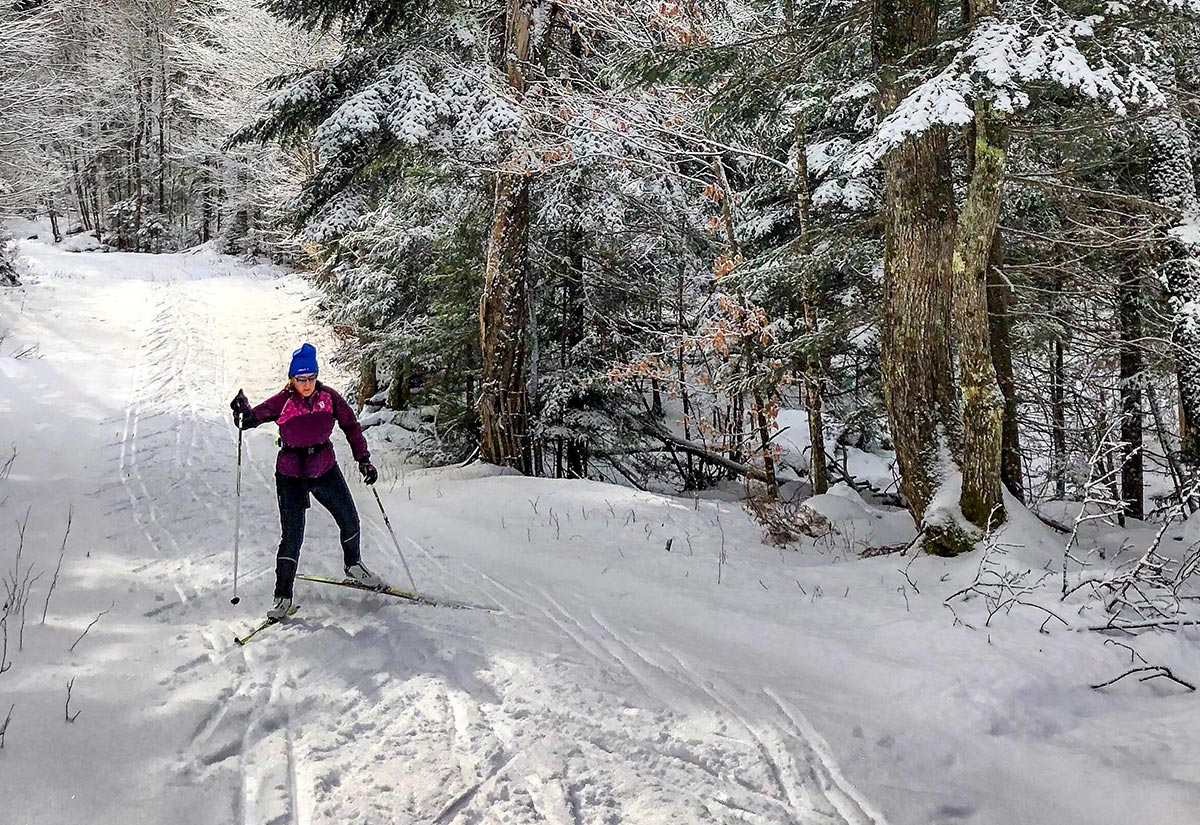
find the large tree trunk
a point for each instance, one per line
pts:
(504, 437)
(919, 236)
(915, 341)
(503, 413)
(981, 401)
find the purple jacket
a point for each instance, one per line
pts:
(305, 425)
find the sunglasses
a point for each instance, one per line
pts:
(304, 379)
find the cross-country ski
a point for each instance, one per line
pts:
(387, 590)
(270, 622)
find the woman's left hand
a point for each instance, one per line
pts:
(369, 474)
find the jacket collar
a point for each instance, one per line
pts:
(294, 393)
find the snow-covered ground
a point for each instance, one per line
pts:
(617, 682)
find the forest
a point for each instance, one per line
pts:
(620, 240)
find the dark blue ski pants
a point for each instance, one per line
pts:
(331, 491)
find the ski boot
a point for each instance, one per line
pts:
(360, 574)
(280, 610)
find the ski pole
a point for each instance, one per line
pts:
(395, 540)
(237, 517)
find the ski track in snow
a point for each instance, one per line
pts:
(363, 710)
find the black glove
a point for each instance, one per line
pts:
(369, 473)
(243, 417)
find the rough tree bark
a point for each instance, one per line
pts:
(935, 295)
(919, 237)
(503, 405)
(982, 403)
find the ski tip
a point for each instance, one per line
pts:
(238, 641)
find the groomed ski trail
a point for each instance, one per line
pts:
(361, 709)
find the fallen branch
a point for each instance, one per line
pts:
(885, 550)
(1162, 623)
(623, 470)
(1051, 523)
(1153, 672)
(700, 451)
(836, 471)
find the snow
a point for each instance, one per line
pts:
(1007, 61)
(1188, 232)
(617, 682)
(794, 438)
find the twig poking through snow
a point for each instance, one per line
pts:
(61, 552)
(89, 627)
(67, 708)
(17, 590)
(911, 583)
(721, 553)
(4, 727)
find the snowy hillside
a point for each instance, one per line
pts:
(615, 682)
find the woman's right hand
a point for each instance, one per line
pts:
(243, 416)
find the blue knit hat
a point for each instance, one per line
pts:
(304, 361)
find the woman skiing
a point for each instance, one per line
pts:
(306, 411)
